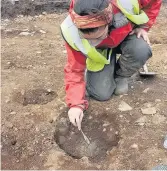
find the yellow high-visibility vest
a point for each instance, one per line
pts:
(97, 59)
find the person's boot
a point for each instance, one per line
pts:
(121, 86)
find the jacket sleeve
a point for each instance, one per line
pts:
(75, 85)
(71, 5)
(151, 8)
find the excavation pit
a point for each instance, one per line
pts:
(102, 134)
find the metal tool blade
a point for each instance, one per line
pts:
(146, 73)
(85, 137)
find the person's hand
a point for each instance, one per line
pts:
(75, 115)
(141, 33)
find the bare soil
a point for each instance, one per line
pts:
(12, 8)
(33, 105)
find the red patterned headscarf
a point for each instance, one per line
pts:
(94, 20)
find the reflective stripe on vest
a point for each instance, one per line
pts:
(96, 59)
(132, 11)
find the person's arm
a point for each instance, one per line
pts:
(151, 8)
(75, 85)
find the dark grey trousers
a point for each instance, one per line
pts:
(134, 54)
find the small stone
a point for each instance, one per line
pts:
(72, 133)
(134, 146)
(6, 20)
(17, 161)
(26, 113)
(107, 108)
(141, 124)
(124, 107)
(42, 31)
(44, 13)
(104, 130)
(62, 107)
(25, 30)
(157, 100)
(158, 119)
(140, 82)
(132, 87)
(116, 133)
(8, 63)
(13, 113)
(106, 124)
(90, 117)
(25, 34)
(111, 129)
(7, 101)
(64, 51)
(121, 96)
(149, 111)
(38, 52)
(37, 129)
(22, 92)
(146, 90)
(20, 16)
(121, 116)
(85, 160)
(49, 90)
(16, 129)
(141, 121)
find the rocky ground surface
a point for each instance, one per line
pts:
(33, 57)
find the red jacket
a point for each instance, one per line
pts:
(75, 67)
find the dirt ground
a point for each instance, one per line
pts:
(33, 57)
(12, 8)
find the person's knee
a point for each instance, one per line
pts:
(101, 95)
(141, 51)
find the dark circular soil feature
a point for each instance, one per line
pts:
(103, 136)
(36, 96)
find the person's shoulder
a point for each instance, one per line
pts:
(148, 3)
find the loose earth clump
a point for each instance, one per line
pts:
(103, 136)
